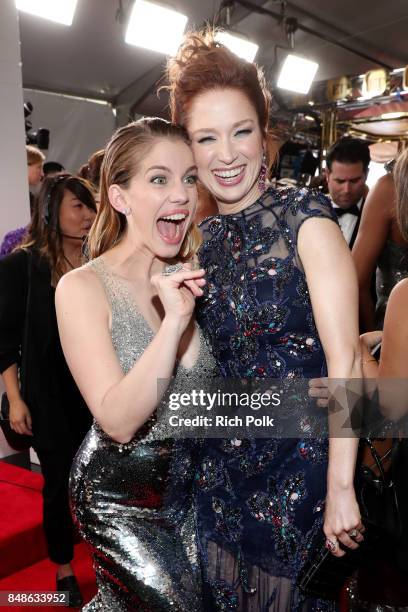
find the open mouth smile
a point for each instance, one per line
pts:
(171, 227)
(230, 176)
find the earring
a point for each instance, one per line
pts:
(262, 174)
(126, 211)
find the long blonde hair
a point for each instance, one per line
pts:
(123, 154)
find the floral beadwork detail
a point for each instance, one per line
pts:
(210, 475)
(226, 598)
(228, 520)
(277, 507)
(315, 451)
(258, 499)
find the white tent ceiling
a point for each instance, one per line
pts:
(91, 59)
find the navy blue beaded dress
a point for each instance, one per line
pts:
(261, 501)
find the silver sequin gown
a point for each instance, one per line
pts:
(132, 502)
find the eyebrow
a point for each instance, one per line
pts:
(166, 169)
(344, 180)
(234, 125)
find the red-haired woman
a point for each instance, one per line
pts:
(281, 302)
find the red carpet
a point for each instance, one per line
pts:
(23, 562)
(21, 536)
(41, 577)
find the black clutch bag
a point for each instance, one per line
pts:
(18, 441)
(324, 575)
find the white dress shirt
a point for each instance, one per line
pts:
(348, 222)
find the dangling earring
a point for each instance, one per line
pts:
(262, 174)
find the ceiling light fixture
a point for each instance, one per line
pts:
(60, 12)
(396, 115)
(155, 27)
(239, 45)
(297, 74)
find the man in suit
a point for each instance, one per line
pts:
(346, 174)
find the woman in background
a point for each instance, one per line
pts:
(379, 248)
(52, 409)
(392, 374)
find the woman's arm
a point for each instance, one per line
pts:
(392, 370)
(13, 292)
(20, 417)
(332, 284)
(120, 403)
(372, 235)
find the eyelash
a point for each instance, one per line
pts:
(244, 131)
(190, 176)
(209, 138)
(154, 180)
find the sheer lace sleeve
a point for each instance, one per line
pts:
(306, 204)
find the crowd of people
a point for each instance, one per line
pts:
(276, 284)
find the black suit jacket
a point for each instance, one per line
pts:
(355, 231)
(59, 413)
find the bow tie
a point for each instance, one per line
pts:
(353, 210)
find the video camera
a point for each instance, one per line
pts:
(40, 137)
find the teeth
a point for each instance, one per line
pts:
(229, 173)
(177, 217)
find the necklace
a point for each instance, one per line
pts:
(69, 262)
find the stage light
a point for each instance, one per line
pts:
(240, 46)
(297, 74)
(397, 115)
(155, 27)
(60, 11)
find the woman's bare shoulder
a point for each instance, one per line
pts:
(82, 285)
(396, 319)
(398, 299)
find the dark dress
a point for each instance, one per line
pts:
(261, 501)
(392, 267)
(59, 414)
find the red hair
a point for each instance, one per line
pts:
(203, 64)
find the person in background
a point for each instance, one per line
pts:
(52, 167)
(391, 372)
(91, 171)
(35, 161)
(380, 248)
(346, 171)
(52, 409)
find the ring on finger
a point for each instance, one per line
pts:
(172, 269)
(331, 545)
(353, 533)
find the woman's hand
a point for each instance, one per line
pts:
(342, 521)
(370, 339)
(177, 292)
(319, 390)
(20, 417)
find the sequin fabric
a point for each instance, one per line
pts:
(392, 267)
(132, 502)
(261, 502)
